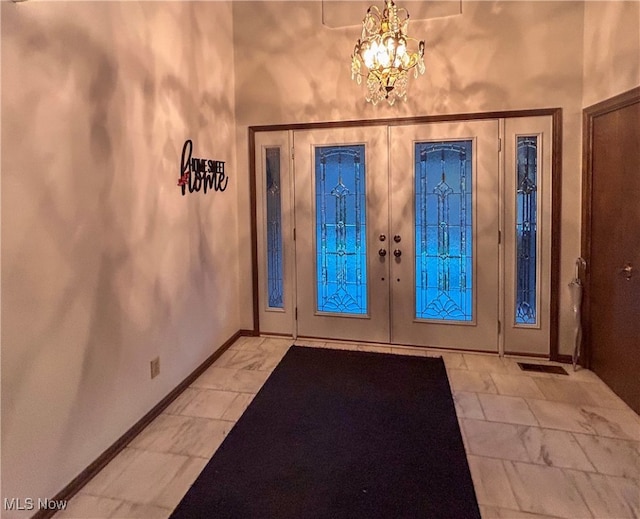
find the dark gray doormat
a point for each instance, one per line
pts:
(341, 435)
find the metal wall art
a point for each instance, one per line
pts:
(197, 174)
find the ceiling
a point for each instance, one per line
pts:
(345, 13)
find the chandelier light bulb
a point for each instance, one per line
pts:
(382, 56)
(368, 58)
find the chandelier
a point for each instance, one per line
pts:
(382, 56)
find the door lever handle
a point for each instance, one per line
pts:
(627, 271)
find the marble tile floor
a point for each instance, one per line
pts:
(539, 445)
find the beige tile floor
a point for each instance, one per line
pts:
(538, 445)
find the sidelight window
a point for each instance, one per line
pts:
(526, 230)
(275, 277)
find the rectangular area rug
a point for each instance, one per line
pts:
(341, 434)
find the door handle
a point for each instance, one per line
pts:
(627, 271)
(382, 252)
(397, 253)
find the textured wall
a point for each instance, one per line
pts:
(497, 55)
(611, 49)
(105, 264)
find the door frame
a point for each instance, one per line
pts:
(589, 114)
(556, 194)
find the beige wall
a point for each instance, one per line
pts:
(611, 49)
(105, 264)
(495, 56)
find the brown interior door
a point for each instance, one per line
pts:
(613, 247)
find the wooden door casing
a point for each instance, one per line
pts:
(556, 182)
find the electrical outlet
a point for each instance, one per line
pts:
(155, 367)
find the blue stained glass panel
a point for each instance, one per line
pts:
(274, 229)
(526, 229)
(341, 245)
(444, 230)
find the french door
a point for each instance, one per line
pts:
(403, 244)
(397, 234)
(443, 196)
(342, 211)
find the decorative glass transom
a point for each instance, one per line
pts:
(526, 230)
(274, 229)
(341, 246)
(444, 230)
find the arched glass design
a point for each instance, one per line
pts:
(444, 230)
(341, 245)
(275, 281)
(526, 230)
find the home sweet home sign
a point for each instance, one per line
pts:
(200, 174)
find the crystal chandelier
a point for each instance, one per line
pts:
(382, 56)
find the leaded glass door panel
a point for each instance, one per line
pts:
(444, 198)
(341, 208)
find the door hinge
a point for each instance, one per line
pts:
(499, 143)
(294, 234)
(499, 237)
(296, 313)
(293, 152)
(499, 327)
